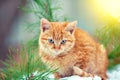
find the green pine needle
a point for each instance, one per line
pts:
(23, 64)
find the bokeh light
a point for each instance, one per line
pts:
(110, 7)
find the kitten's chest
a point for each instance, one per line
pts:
(60, 61)
(75, 55)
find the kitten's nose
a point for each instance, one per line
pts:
(57, 48)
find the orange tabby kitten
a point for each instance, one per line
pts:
(71, 50)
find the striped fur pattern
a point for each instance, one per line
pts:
(71, 50)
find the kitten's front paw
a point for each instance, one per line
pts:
(77, 71)
(80, 72)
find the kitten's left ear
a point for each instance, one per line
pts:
(71, 27)
(45, 24)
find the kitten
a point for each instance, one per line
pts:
(71, 50)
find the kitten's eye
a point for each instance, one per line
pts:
(50, 41)
(63, 41)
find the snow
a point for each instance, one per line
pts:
(113, 74)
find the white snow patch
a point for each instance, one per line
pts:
(113, 74)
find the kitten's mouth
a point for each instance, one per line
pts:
(56, 50)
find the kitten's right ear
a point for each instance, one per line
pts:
(71, 27)
(45, 24)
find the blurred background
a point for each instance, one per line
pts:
(20, 30)
(9, 17)
(19, 21)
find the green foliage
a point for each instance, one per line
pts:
(109, 35)
(42, 9)
(46, 9)
(23, 65)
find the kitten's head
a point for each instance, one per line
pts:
(56, 37)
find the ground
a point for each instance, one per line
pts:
(113, 74)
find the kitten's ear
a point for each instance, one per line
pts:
(71, 27)
(45, 24)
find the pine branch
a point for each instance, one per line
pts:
(23, 64)
(41, 8)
